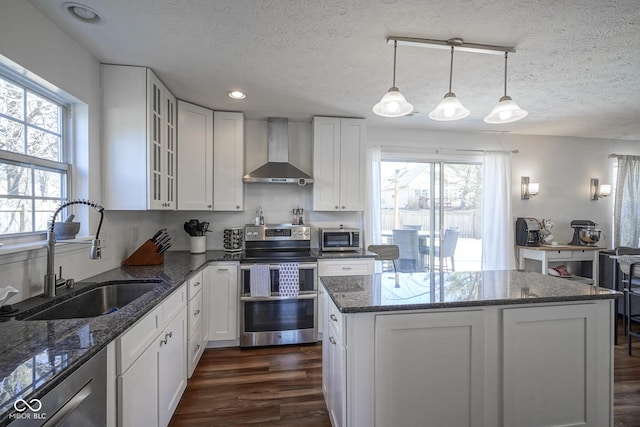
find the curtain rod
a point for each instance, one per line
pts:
(459, 150)
(623, 156)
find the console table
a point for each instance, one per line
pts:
(560, 253)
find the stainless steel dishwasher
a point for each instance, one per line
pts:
(79, 400)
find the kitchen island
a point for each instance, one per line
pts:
(493, 348)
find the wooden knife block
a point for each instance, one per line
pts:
(145, 255)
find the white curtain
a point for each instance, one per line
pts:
(372, 229)
(626, 208)
(497, 227)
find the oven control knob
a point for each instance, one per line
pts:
(306, 231)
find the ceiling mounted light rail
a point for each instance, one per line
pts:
(450, 108)
(393, 103)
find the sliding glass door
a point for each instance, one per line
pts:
(431, 210)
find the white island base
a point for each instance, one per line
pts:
(539, 364)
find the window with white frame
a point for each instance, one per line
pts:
(33, 174)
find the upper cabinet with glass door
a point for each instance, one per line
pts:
(338, 164)
(139, 140)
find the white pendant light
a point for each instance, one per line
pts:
(506, 111)
(393, 103)
(450, 108)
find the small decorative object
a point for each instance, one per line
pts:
(66, 230)
(6, 293)
(545, 231)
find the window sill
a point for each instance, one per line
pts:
(17, 251)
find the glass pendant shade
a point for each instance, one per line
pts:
(450, 108)
(506, 111)
(393, 104)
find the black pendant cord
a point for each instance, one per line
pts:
(505, 73)
(395, 48)
(451, 69)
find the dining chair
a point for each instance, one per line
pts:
(629, 264)
(407, 242)
(386, 253)
(449, 243)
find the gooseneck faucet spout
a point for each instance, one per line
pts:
(50, 276)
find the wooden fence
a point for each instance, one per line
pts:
(468, 222)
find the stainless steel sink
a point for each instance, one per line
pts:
(95, 302)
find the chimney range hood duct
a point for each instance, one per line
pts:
(278, 170)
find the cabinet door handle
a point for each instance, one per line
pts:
(344, 207)
(346, 268)
(223, 269)
(337, 207)
(195, 285)
(197, 348)
(333, 317)
(332, 340)
(195, 313)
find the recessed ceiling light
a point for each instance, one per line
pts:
(83, 13)
(236, 94)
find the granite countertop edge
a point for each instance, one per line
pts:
(358, 300)
(465, 304)
(179, 266)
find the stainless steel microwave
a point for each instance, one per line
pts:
(339, 239)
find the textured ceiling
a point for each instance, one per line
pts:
(576, 68)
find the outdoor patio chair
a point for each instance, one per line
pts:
(449, 243)
(407, 242)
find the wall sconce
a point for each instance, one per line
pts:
(599, 191)
(528, 189)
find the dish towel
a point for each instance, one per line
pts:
(260, 280)
(289, 283)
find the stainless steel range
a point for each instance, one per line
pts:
(272, 316)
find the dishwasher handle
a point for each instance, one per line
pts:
(70, 406)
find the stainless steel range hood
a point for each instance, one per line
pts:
(278, 170)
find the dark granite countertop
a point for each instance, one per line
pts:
(35, 356)
(419, 291)
(360, 253)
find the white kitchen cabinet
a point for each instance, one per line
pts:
(338, 164)
(334, 364)
(541, 345)
(223, 301)
(340, 267)
(138, 140)
(440, 370)
(195, 157)
(195, 319)
(511, 365)
(151, 379)
(228, 161)
(172, 363)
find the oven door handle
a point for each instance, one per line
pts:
(301, 266)
(277, 298)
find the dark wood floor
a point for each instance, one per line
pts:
(275, 386)
(282, 386)
(626, 395)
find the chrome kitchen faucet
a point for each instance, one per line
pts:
(50, 281)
